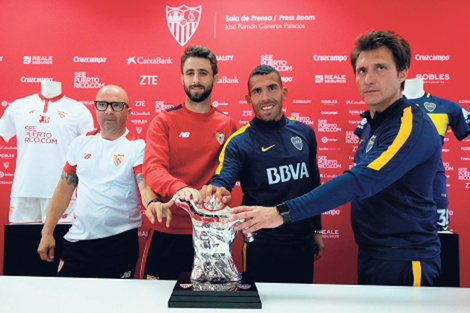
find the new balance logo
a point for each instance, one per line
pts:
(184, 135)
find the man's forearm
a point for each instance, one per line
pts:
(60, 201)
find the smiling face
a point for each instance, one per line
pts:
(377, 79)
(198, 79)
(266, 96)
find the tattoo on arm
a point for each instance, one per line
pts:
(139, 177)
(71, 179)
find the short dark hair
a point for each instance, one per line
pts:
(199, 52)
(399, 47)
(263, 70)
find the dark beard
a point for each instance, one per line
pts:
(203, 96)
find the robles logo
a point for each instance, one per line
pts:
(183, 22)
(434, 77)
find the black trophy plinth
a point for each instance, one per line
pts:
(184, 296)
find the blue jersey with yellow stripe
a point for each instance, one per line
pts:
(444, 113)
(274, 161)
(393, 214)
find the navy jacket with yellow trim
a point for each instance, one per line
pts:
(393, 214)
(274, 162)
(443, 113)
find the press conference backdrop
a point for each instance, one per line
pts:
(137, 44)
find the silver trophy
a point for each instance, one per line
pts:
(213, 235)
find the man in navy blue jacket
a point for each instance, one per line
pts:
(390, 185)
(275, 160)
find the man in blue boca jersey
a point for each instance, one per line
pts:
(393, 214)
(275, 159)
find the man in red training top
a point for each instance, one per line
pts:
(183, 146)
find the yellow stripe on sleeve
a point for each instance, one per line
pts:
(441, 121)
(244, 256)
(403, 134)
(222, 153)
(416, 265)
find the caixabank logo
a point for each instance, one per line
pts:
(183, 22)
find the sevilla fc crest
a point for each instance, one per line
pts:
(220, 137)
(117, 158)
(183, 22)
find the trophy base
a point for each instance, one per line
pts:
(184, 295)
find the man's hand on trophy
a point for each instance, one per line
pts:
(188, 194)
(221, 194)
(255, 218)
(159, 210)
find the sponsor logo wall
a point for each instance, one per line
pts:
(139, 46)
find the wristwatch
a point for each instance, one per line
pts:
(284, 212)
(153, 200)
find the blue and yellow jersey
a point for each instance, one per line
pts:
(393, 214)
(274, 162)
(444, 114)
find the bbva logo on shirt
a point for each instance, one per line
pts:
(285, 173)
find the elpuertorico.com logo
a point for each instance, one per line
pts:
(183, 22)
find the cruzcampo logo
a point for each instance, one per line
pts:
(370, 144)
(297, 142)
(183, 22)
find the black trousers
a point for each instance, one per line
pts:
(280, 262)
(111, 257)
(167, 255)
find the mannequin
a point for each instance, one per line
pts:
(414, 88)
(50, 89)
(443, 113)
(45, 123)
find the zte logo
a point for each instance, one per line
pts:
(149, 79)
(286, 173)
(184, 134)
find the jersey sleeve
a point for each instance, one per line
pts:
(7, 124)
(230, 165)
(459, 121)
(156, 166)
(360, 128)
(400, 150)
(86, 122)
(314, 174)
(72, 153)
(139, 159)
